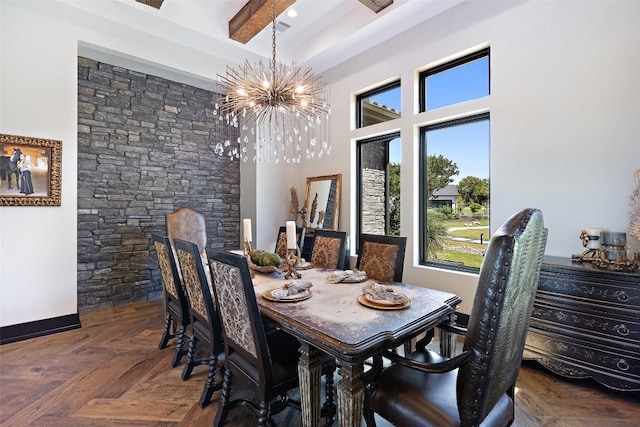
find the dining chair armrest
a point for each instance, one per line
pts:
(453, 328)
(431, 368)
(446, 329)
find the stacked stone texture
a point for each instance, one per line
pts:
(145, 148)
(373, 187)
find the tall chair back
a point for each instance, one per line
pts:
(328, 249)
(501, 313)
(176, 306)
(382, 257)
(205, 322)
(189, 225)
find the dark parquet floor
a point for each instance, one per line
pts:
(110, 372)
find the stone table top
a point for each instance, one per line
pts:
(332, 318)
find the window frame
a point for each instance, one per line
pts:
(423, 75)
(422, 216)
(377, 90)
(389, 136)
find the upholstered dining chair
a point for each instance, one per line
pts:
(189, 225)
(176, 307)
(328, 250)
(281, 241)
(266, 362)
(475, 387)
(205, 322)
(382, 257)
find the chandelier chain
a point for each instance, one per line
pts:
(273, 42)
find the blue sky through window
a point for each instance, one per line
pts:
(462, 83)
(467, 145)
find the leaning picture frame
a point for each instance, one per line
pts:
(30, 171)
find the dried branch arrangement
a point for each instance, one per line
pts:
(298, 215)
(294, 205)
(314, 207)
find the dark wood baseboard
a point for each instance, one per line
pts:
(38, 328)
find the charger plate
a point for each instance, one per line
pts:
(292, 298)
(362, 299)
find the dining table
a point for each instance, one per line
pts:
(337, 319)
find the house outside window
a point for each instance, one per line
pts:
(378, 105)
(447, 196)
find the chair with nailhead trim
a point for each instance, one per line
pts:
(475, 387)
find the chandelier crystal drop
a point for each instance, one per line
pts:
(284, 108)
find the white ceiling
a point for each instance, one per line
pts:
(324, 34)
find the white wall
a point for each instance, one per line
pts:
(37, 245)
(38, 82)
(564, 106)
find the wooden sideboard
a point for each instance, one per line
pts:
(586, 323)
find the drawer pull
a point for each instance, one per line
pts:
(622, 365)
(623, 297)
(622, 330)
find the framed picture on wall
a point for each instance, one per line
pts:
(30, 171)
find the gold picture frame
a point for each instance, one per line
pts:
(45, 156)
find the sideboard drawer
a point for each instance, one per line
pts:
(584, 324)
(592, 288)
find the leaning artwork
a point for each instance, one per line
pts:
(30, 171)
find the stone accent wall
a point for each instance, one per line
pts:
(373, 187)
(145, 148)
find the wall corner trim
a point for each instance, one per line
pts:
(38, 328)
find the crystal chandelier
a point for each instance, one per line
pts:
(283, 109)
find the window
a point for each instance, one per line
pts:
(454, 166)
(378, 105)
(379, 185)
(460, 80)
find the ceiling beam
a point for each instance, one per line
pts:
(253, 17)
(152, 3)
(376, 5)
